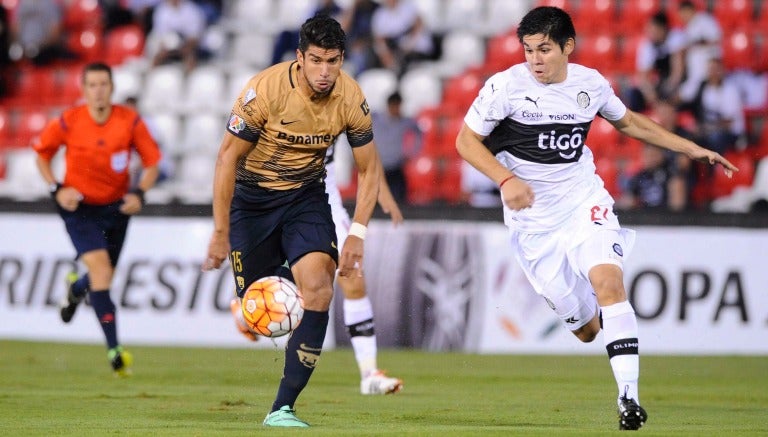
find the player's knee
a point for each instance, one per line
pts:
(609, 290)
(588, 332)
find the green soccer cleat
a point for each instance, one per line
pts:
(284, 417)
(121, 361)
(69, 305)
(631, 415)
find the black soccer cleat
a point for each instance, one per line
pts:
(631, 415)
(69, 305)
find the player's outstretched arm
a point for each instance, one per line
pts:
(368, 169)
(515, 193)
(230, 151)
(386, 200)
(640, 127)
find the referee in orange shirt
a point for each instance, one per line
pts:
(94, 198)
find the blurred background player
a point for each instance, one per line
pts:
(563, 230)
(269, 201)
(93, 199)
(358, 310)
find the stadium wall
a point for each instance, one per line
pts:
(436, 285)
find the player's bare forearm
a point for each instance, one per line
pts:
(232, 148)
(470, 147)
(148, 177)
(44, 167)
(368, 168)
(640, 127)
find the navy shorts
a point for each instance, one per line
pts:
(269, 229)
(94, 227)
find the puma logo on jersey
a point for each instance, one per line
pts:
(535, 102)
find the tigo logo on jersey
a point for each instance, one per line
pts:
(563, 142)
(236, 124)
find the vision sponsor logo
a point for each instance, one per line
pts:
(306, 139)
(562, 117)
(566, 143)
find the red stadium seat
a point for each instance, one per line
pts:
(122, 43)
(602, 138)
(609, 173)
(421, 178)
(82, 14)
(87, 44)
(634, 15)
(503, 51)
(33, 86)
(733, 14)
(5, 129)
(738, 50)
(598, 51)
(69, 85)
(460, 91)
(29, 123)
(450, 181)
(627, 53)
(592, 12)
(429, 122)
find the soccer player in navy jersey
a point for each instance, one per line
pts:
(526, 131)
(269, 203)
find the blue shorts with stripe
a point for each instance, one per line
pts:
(270, 228)
(94, 227)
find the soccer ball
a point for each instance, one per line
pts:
(272, 306)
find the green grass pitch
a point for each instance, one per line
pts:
(65, 389)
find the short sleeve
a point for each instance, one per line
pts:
(145, 145)
(50, 139)
(360, 124)
(490, 107)
(249, 113)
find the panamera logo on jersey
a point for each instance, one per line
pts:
(236, 124)
(583, 99)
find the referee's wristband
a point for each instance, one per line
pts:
(139, 192)
(358, 230)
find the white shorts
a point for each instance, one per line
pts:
(340, 215)
(557, 264)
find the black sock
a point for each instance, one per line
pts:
(301, 355)
(80, 287)
(105, 312)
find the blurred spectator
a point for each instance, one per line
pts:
(400, 36)
(718, 110)
(398, 138)
(703, 38)
(115, 13)
(658, 184)
(5, 47)
(479, 190)
(166, 165)
(288, 39)
(660, 65)
(357, 22)
(178, 27)
(143, 10)
(38, 32)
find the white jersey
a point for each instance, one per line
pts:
(340, 215)
(538, 131)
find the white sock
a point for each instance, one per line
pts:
(620, 338)
(358, 318)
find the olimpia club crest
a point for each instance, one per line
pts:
(582, 99)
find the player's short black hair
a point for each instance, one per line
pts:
(549, 21)
(660, 19)
(97, 66)
(322, 31)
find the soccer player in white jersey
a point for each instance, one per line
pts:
(358, 310)
(526, 131)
